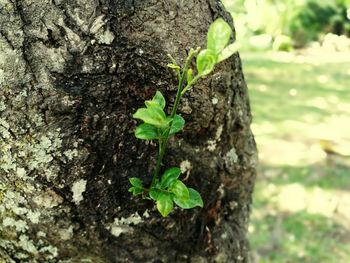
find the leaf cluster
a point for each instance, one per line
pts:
(169, 190)
(218, 47)
(156, 122)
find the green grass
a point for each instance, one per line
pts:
(326, 176)
(301, 200)
(275, 103)
(302, 238)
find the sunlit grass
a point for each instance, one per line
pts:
(300, 237)
(287, 91)
(302, 197)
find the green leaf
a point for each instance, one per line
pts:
(165, 203)
(177, 124)
(206, 61)
(163, 130)
(219, 34)
(157, 101)
(169, 177)
(154, 193)
(228, 51)
(189, 76)
(180, 190)
(151, 104)
(153, 115)
(194, 200)
(136, 182)
(137, 187)
(173, 66)
(159, 98)
(135, 190)
(146, 132)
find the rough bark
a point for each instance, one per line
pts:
(71, 75)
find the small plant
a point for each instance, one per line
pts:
(168, 189)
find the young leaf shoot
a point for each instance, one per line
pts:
(168, 189)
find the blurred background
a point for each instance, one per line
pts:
(296, 60)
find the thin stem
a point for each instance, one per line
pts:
(177, 69)
(159, 162)
(163, 142)
(189, 85)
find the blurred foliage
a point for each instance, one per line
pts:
(327, 16)
(301, 20)
(301, 199)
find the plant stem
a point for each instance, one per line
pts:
(163, 142)
(189, 85)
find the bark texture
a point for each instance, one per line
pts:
(72, 72)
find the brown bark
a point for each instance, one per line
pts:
(71, 75)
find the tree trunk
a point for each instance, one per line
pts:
(72, 73)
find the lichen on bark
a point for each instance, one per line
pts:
(32, 146)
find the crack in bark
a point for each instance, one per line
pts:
(6, 256)
(8, 41)
(211, 9)
(26, 41)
